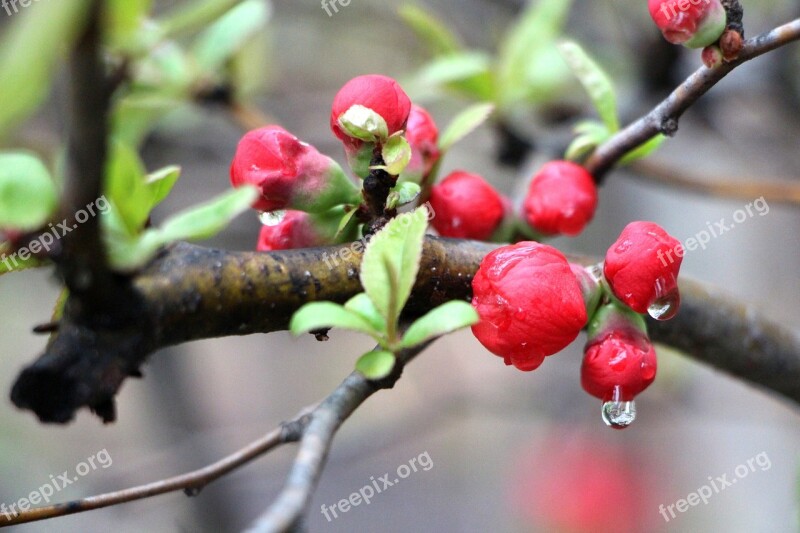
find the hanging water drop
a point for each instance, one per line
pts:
(272, 218)
(667, 301)
(618, 413)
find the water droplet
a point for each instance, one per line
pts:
(617, 413)
(667, 301)
(272, 218)
(595, 272)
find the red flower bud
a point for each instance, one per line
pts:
(381, 94)
(642, 267)
(529, 302)
(295, 230)
(622, 360)
(696, 23)
(289, 172)
(561, 199)
(619, 361)
(466, 207)
(423, 136)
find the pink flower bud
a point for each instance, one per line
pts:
(695, 23)
(381, 94)
(561, 199)
(423, 136)
(291, 174)
(466, 207)
(296, 230)
(529, 302)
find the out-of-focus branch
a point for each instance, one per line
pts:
(773, 192)
(315, 427)
(664, 118)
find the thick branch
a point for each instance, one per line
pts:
(664, 118)
(191, 293)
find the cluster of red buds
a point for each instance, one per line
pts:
(533, 303)
(702, 24)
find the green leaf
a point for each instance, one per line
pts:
(190, 16)
(29, 52)
(345, 221)
(361, 305)
(324, 315)
(394, 252)
(376, 365)
(217, 44)
(644, 150)
(451, 69)
(208, 219)
(123, 18)
(128, 251)
(161, 182)
(429, 29)
(520, 56)
(590, 135)
(396, 153)
(11, 262)
(27, 194)
(464, 124)
(446, 318)
(126, 187)
(596, 82)
(406, 192)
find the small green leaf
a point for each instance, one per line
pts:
(29, 52)
(464, 124)
(644, 150)
(27, 194)
(324, 315)
(444, 319)
(450, 69)
(364, 123)
(345, 221)
(208, 219)
(123, 19)
(126, 187)
(596, 82)
(430, 30)
(11, 262)
(590, 135)
(520, 55)
(363, 306)
(217, 44)
(376, 365)
(407, 192)
(398, 245)
(160, 183)
(396, 153)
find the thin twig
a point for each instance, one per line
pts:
(664, 117)
(315, 426)
(774, 192)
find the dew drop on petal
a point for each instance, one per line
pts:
(271, 218)
(667, 301)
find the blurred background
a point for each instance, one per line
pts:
(511, 451)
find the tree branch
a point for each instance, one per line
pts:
(664, 118)
(315, 427)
